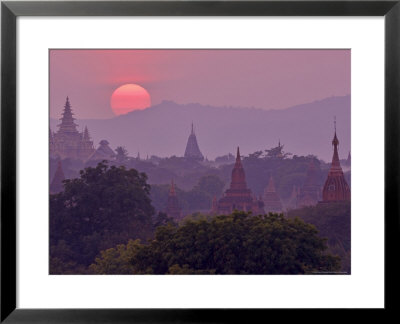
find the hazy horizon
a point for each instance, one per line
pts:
(192, 103)
(163, 129)
(263, 79)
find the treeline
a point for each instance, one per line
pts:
(104, 222)
(187, 174)
(333, 222)
(199, 198)
(234, 244)
(105, 206)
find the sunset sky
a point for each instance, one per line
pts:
(266, 79)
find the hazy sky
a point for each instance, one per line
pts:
(267, 79)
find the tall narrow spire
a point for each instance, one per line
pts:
(272, 202)
(348, 159)
(67, 120)
(271, 185)
(336, 187)
(173, 208)
(172, 189)
(238, 175)
(292, 203)
(86, 135)
(68, 142)
(335, 158)
(238, 196)
(334, 121)
(192, 151)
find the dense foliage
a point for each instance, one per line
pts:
(287, 170)
(199, 198)
(105, 206)
(333, 221)
(234, 244)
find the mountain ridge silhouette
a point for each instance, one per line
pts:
(163, 129)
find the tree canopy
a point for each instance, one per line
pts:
(103, 207)
(191, 201)
(236, 244)
(333, 221)
(122, 154)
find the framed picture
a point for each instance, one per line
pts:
(163, 159)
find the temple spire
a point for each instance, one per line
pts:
(238, 174)
(192, 151)
(335, 158)
(86, 135)
(68, 142)
(173, 208)
(272, 201)
(334, 121)
(172, 189)
(238, 155)
(67, 120)
(336, 187)
(271, 185)
(238, 196)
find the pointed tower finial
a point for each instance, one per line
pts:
(238, 154)
(335, 141)
(192, 150)
(334, 121)
(86, 135)
(335, 187)
(271, 185)
(172, 188)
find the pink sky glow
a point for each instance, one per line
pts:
(266, 79)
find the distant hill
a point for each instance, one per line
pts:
(163, 129)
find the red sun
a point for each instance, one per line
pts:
(129, 97)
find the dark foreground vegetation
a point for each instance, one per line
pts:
(333, 221)
(234, 244)
(104, 223)
(104, 207)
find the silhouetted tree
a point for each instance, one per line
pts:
(103, 207)
(122, 154)
(234, 244)
(333, 221)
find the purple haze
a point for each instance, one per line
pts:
(266, 79)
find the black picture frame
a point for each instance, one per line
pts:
(10, 10)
